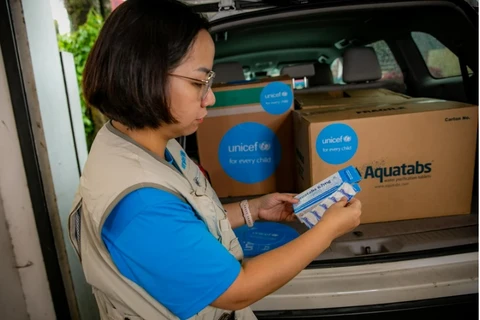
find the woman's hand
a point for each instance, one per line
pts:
(257, 278)
(273, 207)
(342, 217)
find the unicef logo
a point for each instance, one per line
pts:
(265, 146)
(337, 143)
(249, 152)
(276, 98)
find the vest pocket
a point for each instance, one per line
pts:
(109, 311)
(211, 313)
(115, 314)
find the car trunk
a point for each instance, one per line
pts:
(249, 36)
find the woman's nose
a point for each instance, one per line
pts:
(209, 99)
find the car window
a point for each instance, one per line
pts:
(337, 71)
(388, 64)
(441, 61)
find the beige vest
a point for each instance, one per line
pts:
(115, 167)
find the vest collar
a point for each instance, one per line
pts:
(192, 173)
(122, 135)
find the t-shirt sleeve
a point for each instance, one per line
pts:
(158, 242)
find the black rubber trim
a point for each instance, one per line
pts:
(296, 5)
(239, 5)
(465, 305)
(29, 155)
(394, 257)
(79, 167)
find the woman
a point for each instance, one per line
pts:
(154, 241)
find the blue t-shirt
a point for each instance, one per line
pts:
(158, 242)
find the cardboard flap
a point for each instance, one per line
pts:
(356, 112)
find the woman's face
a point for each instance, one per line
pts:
(186, 103)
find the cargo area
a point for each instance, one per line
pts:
(397, 110)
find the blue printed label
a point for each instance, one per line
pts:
(183, 156)
(276, 98)
(263, 237)
(249, 152)
(337, 143)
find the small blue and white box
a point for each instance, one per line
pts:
(314, 201)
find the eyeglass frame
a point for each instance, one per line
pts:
(207, 82)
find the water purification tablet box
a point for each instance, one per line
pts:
(314, 201)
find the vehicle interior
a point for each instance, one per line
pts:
(417, 49)
(271, 48)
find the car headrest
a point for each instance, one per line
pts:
(360, 65)
(228, 72)
(323, 75)
(299, 71)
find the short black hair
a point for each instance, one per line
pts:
(126, 72)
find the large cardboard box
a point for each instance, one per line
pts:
(416, 158)
(379, 92)
(246, 141)
(350, 98)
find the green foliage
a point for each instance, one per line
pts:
(79, 43)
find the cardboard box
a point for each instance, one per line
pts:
(353, 98)
(416, 158)
(380, 92)
(246, 141)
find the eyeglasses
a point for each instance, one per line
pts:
(207, 83)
